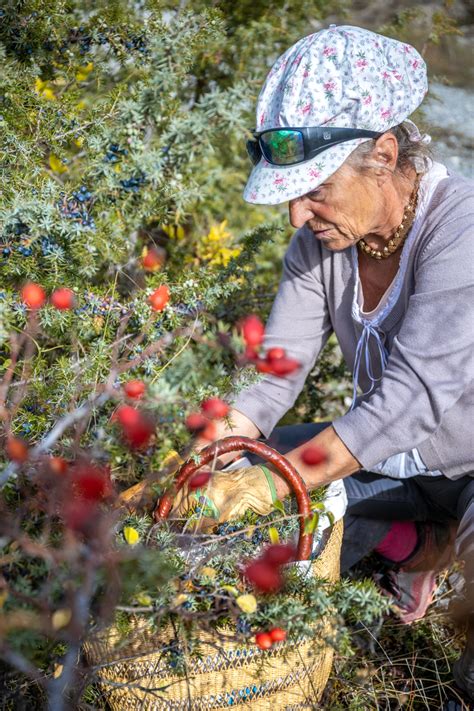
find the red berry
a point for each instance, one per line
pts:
(263, 640)
(62, 299)
(279, 554)
(33, 295)
(199, 479)
(137, 428)
(215, 408)
(91, 482)
(263, 576)
(134, 388)
(153, 258)
(277, 634)
(80, 514)
(126, 415)
(263, 366)
(195, 422)
(251, 353)
(138, 435)
(17, 450)
(209, 432)
(275, 353)
(159, 298)
(284, 366)
(58, 465)
(253, 330)
(313, 455)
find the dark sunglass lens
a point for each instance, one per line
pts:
(282, 147)
(254, 151)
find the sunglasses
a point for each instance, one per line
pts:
(288, 146)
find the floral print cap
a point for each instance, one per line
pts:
(343, 76)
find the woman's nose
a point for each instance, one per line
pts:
(300, 212)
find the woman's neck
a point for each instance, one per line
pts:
(397, 193)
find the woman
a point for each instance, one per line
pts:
(383, 257)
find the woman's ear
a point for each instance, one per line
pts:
(386, 151)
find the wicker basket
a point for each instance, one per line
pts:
(228, 673)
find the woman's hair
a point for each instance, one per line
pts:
(412, 151)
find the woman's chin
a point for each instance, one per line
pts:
(332, 240)
(336, 245)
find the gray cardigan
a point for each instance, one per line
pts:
(425, 397)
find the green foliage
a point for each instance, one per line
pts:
(122, 127)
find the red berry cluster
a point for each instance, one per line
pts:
(34, 297)
(265, 640)
(275, 362)
(265, 573)
(201, 423)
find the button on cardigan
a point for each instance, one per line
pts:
(425, 397)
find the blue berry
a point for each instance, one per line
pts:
(243, 625)
(21, 229)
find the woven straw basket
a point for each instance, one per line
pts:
(135, 674)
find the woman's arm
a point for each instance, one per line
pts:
(339, 463)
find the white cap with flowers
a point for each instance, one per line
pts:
(328, 84)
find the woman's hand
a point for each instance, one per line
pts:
(227, 496)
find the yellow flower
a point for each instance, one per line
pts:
(224, 255)
(247, 603)
(81, 105)
(218, 233)
(173, 231)
(79, 141)
(83, 72)
(131, 535)
(39, 85)
(42, 88)
(56, 165)
(214, 246)
(49, 94)
(208, 572)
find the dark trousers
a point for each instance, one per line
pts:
(374, 501)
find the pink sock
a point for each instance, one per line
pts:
(399, 542)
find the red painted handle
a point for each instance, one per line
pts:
(236, 444)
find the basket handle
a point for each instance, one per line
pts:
(235, 444)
